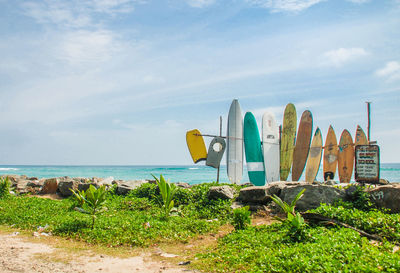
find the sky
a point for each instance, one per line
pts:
(103, 82)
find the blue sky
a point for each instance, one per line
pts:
(121, 81)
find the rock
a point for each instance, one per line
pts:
(387, 197)
(220, 192)
(33, 178)
(126, 186)
(50, 186)
(313, 196)
(34, 184)
(65, 186)
(106, 181)
(82, 180)
(383, 182)
(254, 194)
(330, 182)
(236, 205)
(261, 194)
(21, 186)
(183, 185)
(85, 186)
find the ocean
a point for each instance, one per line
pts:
(193, 174)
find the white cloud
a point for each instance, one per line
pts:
(200, 3)
(285, 5)
(80, 47)
(391, 71)
(75, 13)
(338, 57)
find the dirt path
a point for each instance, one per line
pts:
(19, 254)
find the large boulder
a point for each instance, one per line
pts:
(21, 186)
(65, 186)
(220, 192)
(387, 196)
(85, 186)
(313, 196)
(50, 186)
(126, 186)
(261, 194)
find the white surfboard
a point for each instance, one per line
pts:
(270, 147)
(234, 143)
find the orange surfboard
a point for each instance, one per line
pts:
(314, 158)
(302, 147)
(345, 157)
(360, 138)
(330, 155)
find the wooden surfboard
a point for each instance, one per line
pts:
(196, 145)
(234, 143)
(302, 146)
(252, 145)
(345, 157)
(215, 152)
(288, 139)
(330, 155)
(360, 138)
(314, 157)
(270, 147)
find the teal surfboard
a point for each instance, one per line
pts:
(253, 152)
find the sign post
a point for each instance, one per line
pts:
(367, 164)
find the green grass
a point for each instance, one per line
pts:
(265, 249)
(129, 221)
(372, 221)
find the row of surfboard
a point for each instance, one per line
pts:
(270, 158)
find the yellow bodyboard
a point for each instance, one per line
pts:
(196, 145)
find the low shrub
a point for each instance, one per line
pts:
(5, 187)
(372, 221)
(241, 218)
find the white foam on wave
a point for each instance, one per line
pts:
(8, 169)
(193, 168)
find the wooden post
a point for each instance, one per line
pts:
(369, 120)
(220, 134)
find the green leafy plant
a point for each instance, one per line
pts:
(241, 218)
(294, 219)
(361, 199)
(5, 186)
(372, 221)
(167, 192)
(79, 197)
(92, 201)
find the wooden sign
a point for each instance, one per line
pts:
(367, 163)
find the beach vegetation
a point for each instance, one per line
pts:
(5, 187)
(92, 201)
(373, 221)
(361, 199)
(265, 249)
(127, 221)
(297, 228)
(167, 192)
(241, 218)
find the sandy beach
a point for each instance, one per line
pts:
(20, 254)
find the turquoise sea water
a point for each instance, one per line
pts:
(192, 174)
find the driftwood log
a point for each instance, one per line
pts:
(320, 218)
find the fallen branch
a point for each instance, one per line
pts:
(320, 218)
